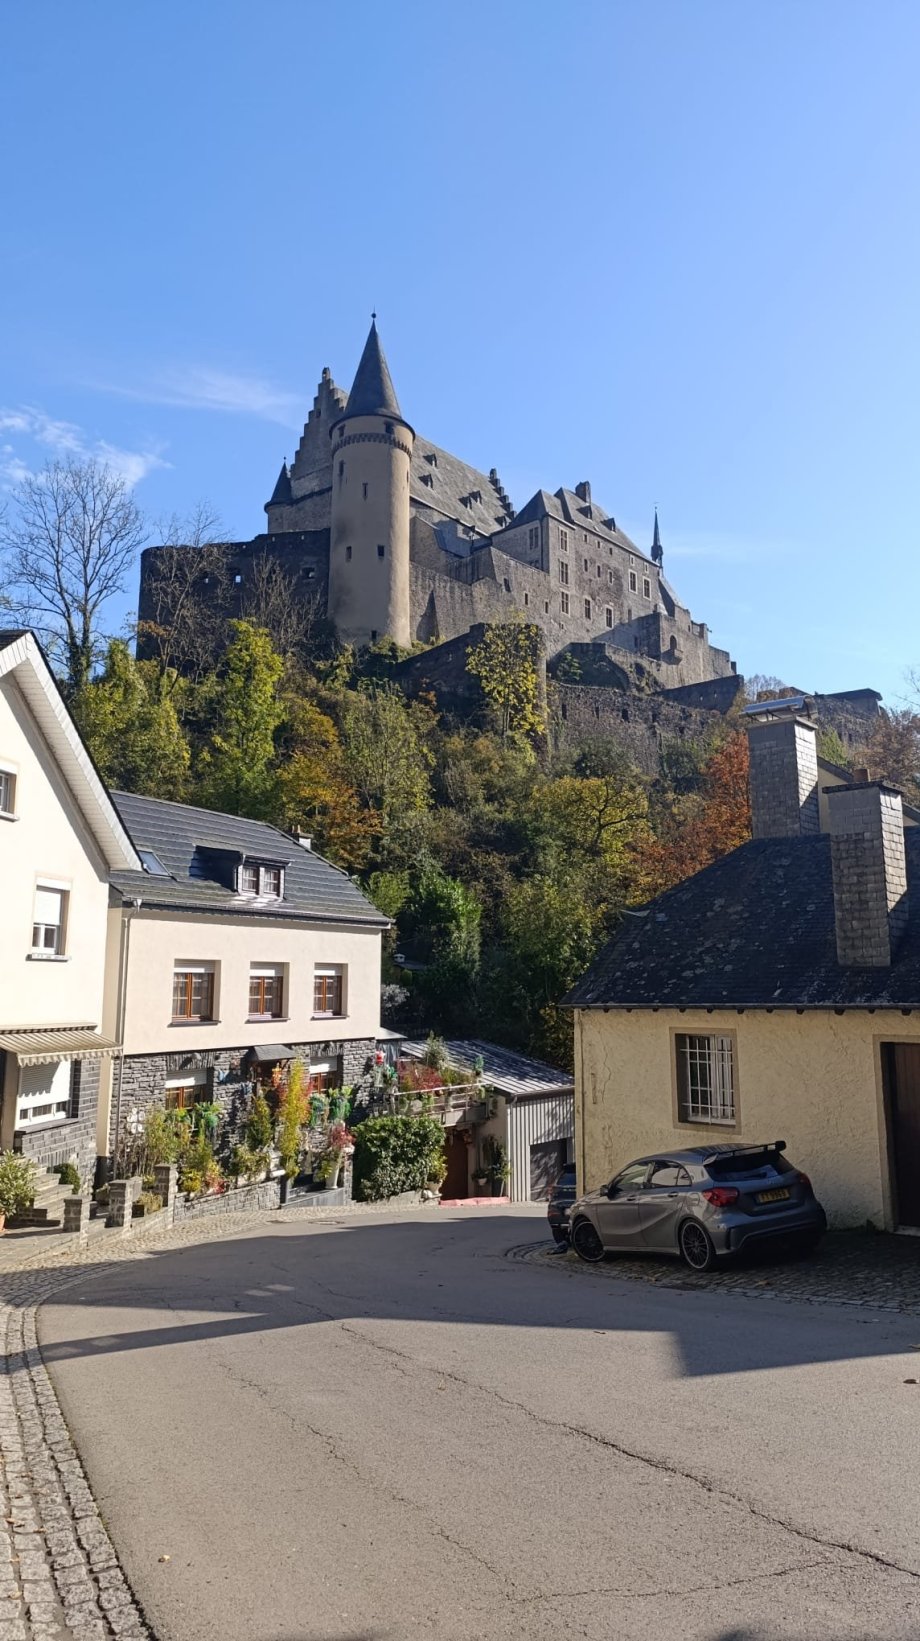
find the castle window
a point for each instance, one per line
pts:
(587, 609)
(564, 573)
(348, 552)
(646, 587)
(526, 602)
(598, 572)
(533, 537)
(237, 580)
(546, 607)
(373, 635)
(564, 540)
(633, 583)
(341, 470)
(507, 585)
(610, 577)
(608, 613)
(564, 603)
(388, 426)
(364, 491)
(432, 458)
(381, 550)
(586, 566)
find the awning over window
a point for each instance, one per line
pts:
(38, 1048)
(270, 1051)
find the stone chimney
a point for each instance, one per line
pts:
(866, 825)
(583, 491)
(784, 777)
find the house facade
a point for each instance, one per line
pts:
(775, 995)
(60, 838)
(235, 949)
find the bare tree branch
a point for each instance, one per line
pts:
(184, 605)
(67, 550)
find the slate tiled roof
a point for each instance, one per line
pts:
(456, 490)
(508, 1073)
(372, 392)
(756, 930)
(184, 839)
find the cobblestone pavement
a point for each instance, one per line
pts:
(59, 1574)
(850, 1268)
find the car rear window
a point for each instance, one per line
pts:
(748, 1164)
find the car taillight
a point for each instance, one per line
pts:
(722, 1195)
(805, 1180)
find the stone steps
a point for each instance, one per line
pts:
(48, 1204)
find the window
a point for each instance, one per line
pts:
(237, 580)
(564, 573)
(373, 635)
(598, 572)
(633, 583)
(667, 1175)
(186, 1091)
(267, 881)
(324, 1075)
(7, 792)
(705, 1079)
(631, 1179)
(608, 616)
(341, 470)
(152, 863)
(564, 603)
(646, 587)
(348, 554)
(364, 491)
(44, 1093)
(49, 920)
(585, 561)
(506, 584)
(266, 991)
(533, 537)
(564, 540)
(526, 600)
(610, 577)
(328, 990)
(546, 607)
(587, 609)
(193, 991)
(381, 550)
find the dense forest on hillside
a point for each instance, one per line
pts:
(503, 858)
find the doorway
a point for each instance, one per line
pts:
(456, 1183)
(901, 1083)
(547, 1161)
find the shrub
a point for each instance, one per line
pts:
(291, 1119)
(394, 1154)
(147, 1203)
(69, 1174)
(199, 1170)
(17, 1184)
(248, 1164)
(260, 1130)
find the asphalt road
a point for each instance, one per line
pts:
(386, 1428)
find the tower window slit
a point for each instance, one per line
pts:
(381, 550)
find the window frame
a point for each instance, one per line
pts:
(588, 615)
(40, 948)
(263, 871)
(191, 969)
(61, 1116)
(564, 603)
(8, 779)
(323, 973)
(261, 975)
(646, 586)
(633, 582)
(690, 1112)
(196, 1080)
(563, 572)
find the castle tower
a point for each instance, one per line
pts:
(369, 541)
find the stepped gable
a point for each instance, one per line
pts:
(443, 486)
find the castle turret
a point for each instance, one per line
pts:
(369, 544)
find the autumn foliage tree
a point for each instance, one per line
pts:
(699, 828)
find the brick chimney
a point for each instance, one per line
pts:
(866, 825)
(784, 777)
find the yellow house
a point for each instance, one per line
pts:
(775, 995)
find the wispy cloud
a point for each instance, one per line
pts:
(61, 438)
(199, 387)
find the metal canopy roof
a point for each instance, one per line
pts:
(270, 1051)
(38, 1048)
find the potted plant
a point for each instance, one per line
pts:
(480, 1179)
(17, 1185)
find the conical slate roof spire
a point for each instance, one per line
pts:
(657, 549)
(281, 495)
(372, 392)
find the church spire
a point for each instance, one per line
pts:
(657, 549)
(372, 392)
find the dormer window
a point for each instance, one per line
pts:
(265, 881)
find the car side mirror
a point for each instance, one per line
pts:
(611, 1189)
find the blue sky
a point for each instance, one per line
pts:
(671, 248)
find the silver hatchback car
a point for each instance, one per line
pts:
(703, 1204)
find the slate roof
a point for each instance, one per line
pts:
(184, 839)
(456, 490)
(511, 1074)
(756, 930)
(569, 509)
(372, 391)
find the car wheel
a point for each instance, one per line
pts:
(586, 1242)
(561, 1238)
(696, 1249)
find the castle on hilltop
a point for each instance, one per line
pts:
(399, 539)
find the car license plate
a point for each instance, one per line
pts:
(774, 1196)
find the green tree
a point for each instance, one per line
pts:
(507, 665)
(236, 767)
(132, 728)
(388, 761)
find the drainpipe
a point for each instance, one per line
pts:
(122, 1005)
(580, 1084)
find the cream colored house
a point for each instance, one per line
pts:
(775, 995)
(60, 838)
(233, 950)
